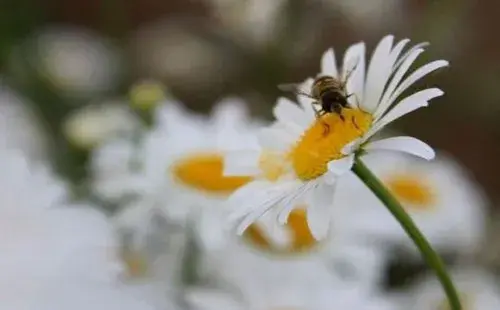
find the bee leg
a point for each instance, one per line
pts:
(326, 128)
(355, 97)
(338, 109)
(354, 122)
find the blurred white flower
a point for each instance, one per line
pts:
(152, 248)
(254, 22)
(116, 171)
(300, 297)
(269, 255)
(302, 155)
(19, 126)
(478, 290)
(443, 200)
(187, 61)
(55, 255)
(93, 124)
(77, 61)
(370, 15)
(177, 166)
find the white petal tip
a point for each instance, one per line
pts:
(429, 154)
(404, 144)
(437, 92)
(389, 37)
(327, 53)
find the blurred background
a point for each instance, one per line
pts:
(67, 64)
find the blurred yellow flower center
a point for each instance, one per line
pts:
(272, 165)
(205, 172)
(412, 190)
(135, 263)
(324, 140)
(301, 237)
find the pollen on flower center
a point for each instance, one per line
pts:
(301, 237)
(205, 172)
(413, 190)
(324, 140)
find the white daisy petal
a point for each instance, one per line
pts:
(415, 76)
(290, 203)
(379, 71)
(285, 193)
(288, 112)
(230, 112)
(256, 213)
(328, 63)
(306, 102)
(340, 166)
(274, 138)
(351, 147)
(318, 213)
(262, 202)
(391, 68)
(404, 144)
(256, 194)
(355, 57)
(236, 202)
(238, 163)
(396, 51)
(409, 52)
(398, 76)
(329, 178)
(407, 105)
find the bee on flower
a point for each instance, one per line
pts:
(301, 156)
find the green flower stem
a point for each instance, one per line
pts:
(392, 204)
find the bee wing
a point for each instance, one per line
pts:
(293, 88)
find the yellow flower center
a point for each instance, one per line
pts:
(205, 172)
(301, 241)
(412, 190)
(324, 140)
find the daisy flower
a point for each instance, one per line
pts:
(93, 124)
(177, 166)
(281, 255)
(478, 290)
(77, 62)
(301, 156)
(440, 196)
(55, 255)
